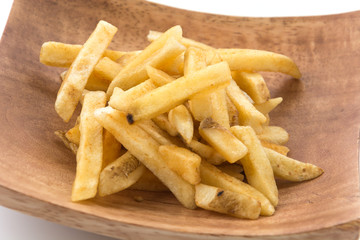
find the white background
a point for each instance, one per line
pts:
(17, 226)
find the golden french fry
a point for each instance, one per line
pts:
(232, 112)
(75, 80)
(153, 35)
(120, 174)
(73, 135)
(219, 108)
(90, 152)
(227, 202)
(163, 122)
(111, 148)
(223, 141)
(121, 100)
(248, 114)
(93, 83)
(257, 167)
(276, 147)
(149, 182)
(269, 105)
(70, 145)
(206, 152)
(211, 175)
(59, 54)
(194, 60)
(181, 119)
(182, 161)
(174, 67)
(134, 72)
(274, 134)
(253, 84)
(291, 169)
(176, 92)
(250, 60)
(234, 170)
(107, 69)
(145, 149)
(158, 77)
(126, 58)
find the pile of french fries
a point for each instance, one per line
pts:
(178, 115)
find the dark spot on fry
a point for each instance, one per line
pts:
(130, 118)
(220, 193)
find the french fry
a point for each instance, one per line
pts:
(277, 148)
(126, 58)
(227, 202)
(176, 92)
(219, 108)
(174, 67)
(73, 135)
(111, 148)
(269, 105)
(181, 119)
(291, 169)
(182, 161)
(163, 122)
(145, 149)
(274, 134)
(248, 114)
(121, 100)
(257, 167)
(158, 77)
(70, 145)
(107, 69)
(253, 84)
(57, 54)
(234, 170)
(206, 152)
(93, 83)
(250, 60)
(212, 176)
(120, 174)
(149, 182)
(75, 80)
(223, 141)
(135, 71)
(153, 35)
(90, 152)
(233, 113)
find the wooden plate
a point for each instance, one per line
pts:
(321, 112)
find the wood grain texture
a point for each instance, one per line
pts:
(321, 112)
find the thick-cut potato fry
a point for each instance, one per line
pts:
(182, 161)
(194, 60)
(163, 122)
(250, 60)
(174, 67)
(111, 148)
(219, 108)
(269, 105)
(121, 100)
(73, 135)
(90, 152)
(248, 114)
(107, 69)
(70, 145)
(75, 80)
(93, 83)
(158, 77)
(224, 142)
(164, 98)
(232, 112)
(257, 167)
(181, 119)
(59, 54)
(276, 147)
(291, 169)
(253, 84)
(274, 134)
(157, 53)
(145, 149)
(126, 58)
(206, 152)
(120, 174)
(227, 202)
(153, 35)
(211, 175)
(149, 182)
(234, 170)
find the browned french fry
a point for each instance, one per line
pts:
(90, 152)
(145, 149)
(256, 165)
(111, 148)
(250, 60)
(75, 80)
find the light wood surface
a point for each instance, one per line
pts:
(321, 112)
